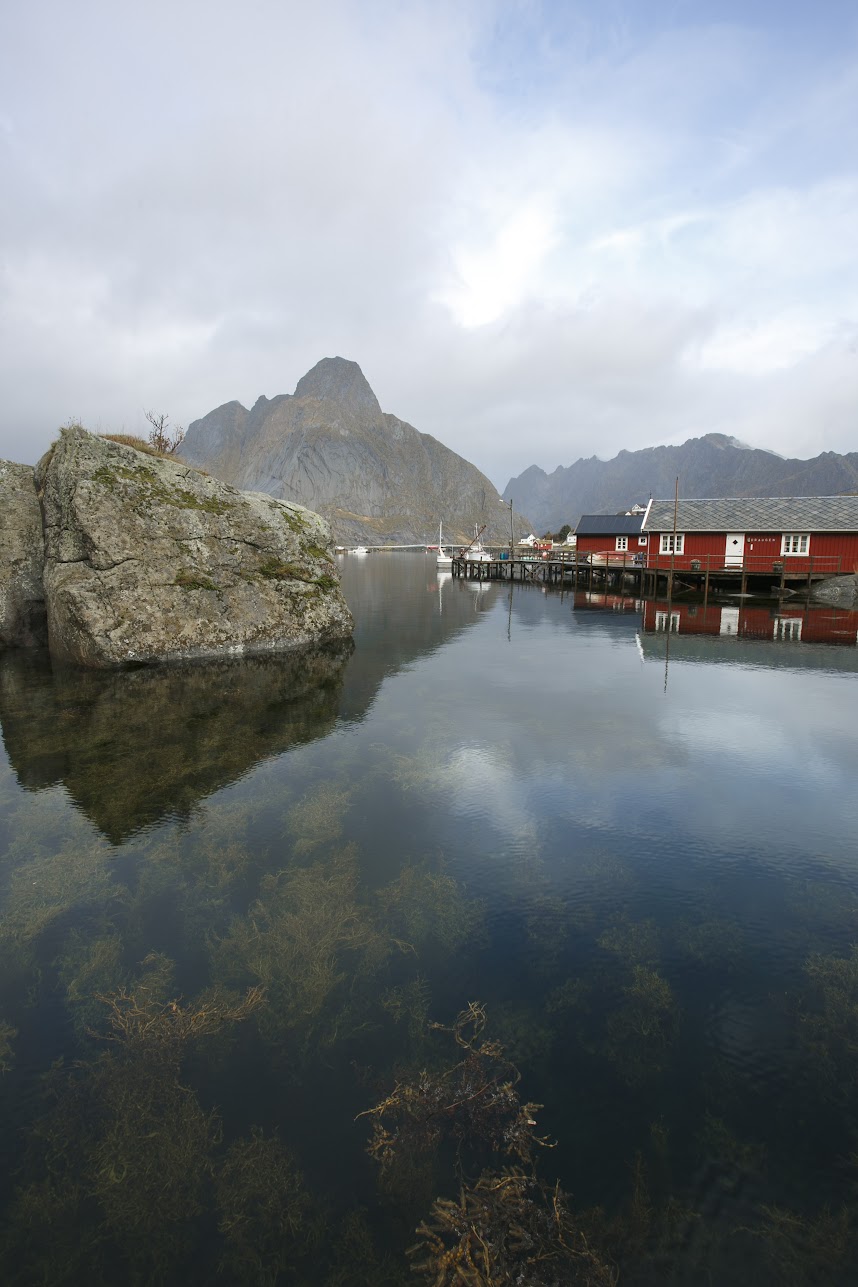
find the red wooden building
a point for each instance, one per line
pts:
(803, 535)
(612, 538)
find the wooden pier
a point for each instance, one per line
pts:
(564, 569)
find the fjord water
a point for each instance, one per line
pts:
(639, 857)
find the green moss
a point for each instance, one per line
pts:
(157, 491)
(208, 504)
(193, 581)
(275, 569)
(107, 475)
(291, 520)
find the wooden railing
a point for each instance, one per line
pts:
(752, 565)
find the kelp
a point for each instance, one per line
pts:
(634, 942)
(506, 1228)
(828, 1024)
(641, 1030)
(48, 884)
(267, 1218)
(408, 1004)
(804, 1250)
(473, 1104)
(88, 969)
(356, 1261)
(307, 940)
(7, 1036)
(121, 1161)
(429, 910)
(714, 943)
(647, 1238)
(317, 818)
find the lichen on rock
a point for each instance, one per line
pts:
(148, 559)
(22, 600)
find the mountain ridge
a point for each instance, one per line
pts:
(709, 466)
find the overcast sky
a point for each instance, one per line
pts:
(543, 229)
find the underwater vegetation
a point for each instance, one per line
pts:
(506, 1228)
(828, 1023)
(121, 1160)
(218, 1055)
(266, 1216)
(7, 1035)
(308, 940)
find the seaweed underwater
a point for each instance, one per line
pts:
(216, 1000)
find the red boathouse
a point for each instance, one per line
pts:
(796, 535)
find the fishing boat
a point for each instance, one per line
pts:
(444, 559)
(475, 552)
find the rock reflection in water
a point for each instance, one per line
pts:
(133, 746)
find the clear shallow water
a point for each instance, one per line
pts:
(636, 851)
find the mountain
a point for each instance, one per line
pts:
(329, 446)
(714, 465)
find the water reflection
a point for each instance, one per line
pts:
(653, 902)
(133, 746)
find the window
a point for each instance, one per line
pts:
(622, 542)
(787, 628)
(795, 543)
(641, 540)
(667, 542)
(667, 622)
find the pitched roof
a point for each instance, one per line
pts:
(766, 514)
(610, 524)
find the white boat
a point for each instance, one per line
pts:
(475, 552)
(444, 559)
(360, 549)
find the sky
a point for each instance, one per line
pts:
(544, 229)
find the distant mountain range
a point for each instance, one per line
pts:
(329, 446)
(714, 465)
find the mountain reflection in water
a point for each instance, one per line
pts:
(305, 963)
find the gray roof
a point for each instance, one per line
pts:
(766, 514)
(610, 524)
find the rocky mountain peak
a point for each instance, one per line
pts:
(338, 380)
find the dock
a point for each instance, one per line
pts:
(566, 568)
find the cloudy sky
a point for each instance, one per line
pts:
(545, 229)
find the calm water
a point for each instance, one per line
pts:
(634, 850)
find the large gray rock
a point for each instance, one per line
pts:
(147, 559)
(22, 601)
(841, 591)
(331, 447)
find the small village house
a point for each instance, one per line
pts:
(795, 535)
(801, 534)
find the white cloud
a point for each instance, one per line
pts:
(541, 235)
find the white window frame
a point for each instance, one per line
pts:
(666, 546)
(641, 540)
(622, 543)
(787, 628)
(667, 623)
(795, 543)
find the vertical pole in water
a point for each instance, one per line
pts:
(673, 544)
